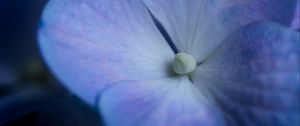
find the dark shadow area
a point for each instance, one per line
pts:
(29, 94)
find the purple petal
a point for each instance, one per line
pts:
(296, 21)
(90, 44)
(254, 76)
(162, 102)
(199, 26)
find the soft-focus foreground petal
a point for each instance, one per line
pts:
(296, 21)
(199, 26)
(162, 102)
(90, 44)
(254, 76)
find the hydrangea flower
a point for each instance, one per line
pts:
(178, 62)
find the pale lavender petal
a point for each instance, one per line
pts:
(255, 76)
(199, 26)
(90, 44)
(162, 102)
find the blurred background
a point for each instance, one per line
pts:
(29, 94)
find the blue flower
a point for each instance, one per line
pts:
(118, 55)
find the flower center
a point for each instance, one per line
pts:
(184, 63)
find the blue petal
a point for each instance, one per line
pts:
(199, 26)
(162, 102)
(296, 20)
(254, 75)
(91, 44)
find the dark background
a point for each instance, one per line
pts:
(29, 94)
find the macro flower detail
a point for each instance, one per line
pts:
(184, 63)
(178, 62)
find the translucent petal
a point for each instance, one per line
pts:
(90, 44)
(198, 27)
(254, 76)
(162, 102)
